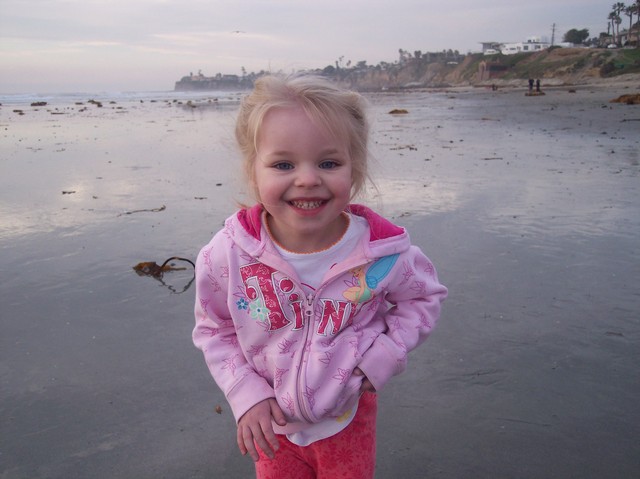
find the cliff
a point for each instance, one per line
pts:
(555, 66)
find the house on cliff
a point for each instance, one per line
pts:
(532, 44)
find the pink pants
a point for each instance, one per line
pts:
(350, 454)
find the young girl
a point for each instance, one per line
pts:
(306, 305)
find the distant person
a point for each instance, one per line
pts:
(306, 304)
(538, 86)
(530, 84)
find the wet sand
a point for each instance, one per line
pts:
(527, 205)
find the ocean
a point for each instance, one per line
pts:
(56, 99)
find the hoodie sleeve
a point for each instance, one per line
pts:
(415, 296)
(215, 332)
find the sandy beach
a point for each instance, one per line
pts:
(528, 206)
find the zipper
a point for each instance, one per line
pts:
(309, 325)
(308, 322)
(308, 310)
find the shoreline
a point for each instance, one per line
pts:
(626, 81)
(630, 80)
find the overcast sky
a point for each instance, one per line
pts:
(146, 45)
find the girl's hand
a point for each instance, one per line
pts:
(254, 427)
(366, 384)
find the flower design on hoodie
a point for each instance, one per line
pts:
(342, 375)
(424, 322)
(256, 349)
(208, 331)
(286, 346)
(204, 304)
(242, 304)
(287, 401)
(327, 358)
(230, 364)
(430, 270)
(310, 394)
(278, 377)
(215, 286)
(258, 310)
(408, 272)
(224, 271)
(419, 287)
(206, 254)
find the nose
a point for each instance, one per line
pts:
(307, 176)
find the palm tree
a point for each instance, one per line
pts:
(637, 8)
(629, 12)
(612, 22)
(618, 8)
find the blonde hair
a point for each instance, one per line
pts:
(341, 112)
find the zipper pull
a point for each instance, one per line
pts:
(308, 307)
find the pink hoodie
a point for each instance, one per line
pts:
(262, 338)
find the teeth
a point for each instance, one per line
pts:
(306, 205)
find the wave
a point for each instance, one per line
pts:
(16, 99)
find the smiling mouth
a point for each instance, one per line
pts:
(307, 205)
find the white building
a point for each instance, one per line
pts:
(532, 44)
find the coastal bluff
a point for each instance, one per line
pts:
(554, 67)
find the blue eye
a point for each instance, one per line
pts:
(283, 166)
(328, 164)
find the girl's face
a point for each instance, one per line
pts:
(302, 176)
